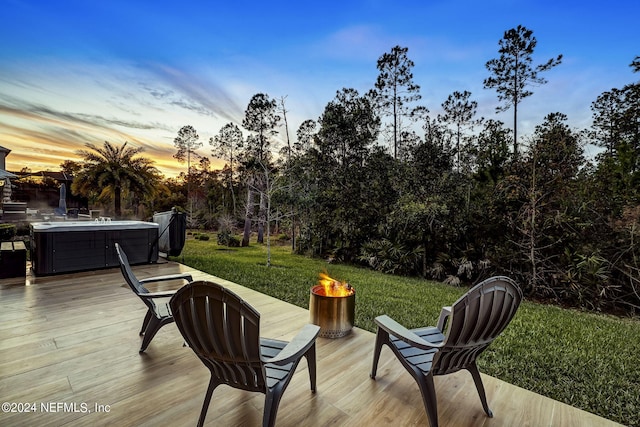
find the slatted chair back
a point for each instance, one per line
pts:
(127, 273)
(223, 330)
(476, 319)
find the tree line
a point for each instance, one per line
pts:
(380, 180)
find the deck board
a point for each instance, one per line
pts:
(73, 338)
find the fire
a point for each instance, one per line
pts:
(333, 288)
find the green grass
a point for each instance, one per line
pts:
(586, 360)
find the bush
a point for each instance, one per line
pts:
(233, 242)
(23, 229)
(282, 237)
(203, 237)
(223, 238)
(392, 258)
(228, 239)
(7, 231)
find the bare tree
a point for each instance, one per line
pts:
(283, 111)
(267, 183)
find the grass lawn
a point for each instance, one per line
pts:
(586, 360)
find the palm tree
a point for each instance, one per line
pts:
(109, 172)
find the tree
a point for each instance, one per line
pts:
(287, 150)
(395, 88)
(269, 184)
(261, 118)
(608, 111)
(336, 176)
(548, 217)
(492, 151)
(70, 167)
(298, 171)
(187, 142)
(635, 64)
(513, 72)
(459, 111)
(110, 171)
(305, 135)
(226, 145)
(348, 127)
(616, 126)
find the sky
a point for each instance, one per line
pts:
(75, 71)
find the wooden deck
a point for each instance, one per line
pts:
(73, 340)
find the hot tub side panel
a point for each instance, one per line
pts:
(63, 252)
(141, 246)
(66, 252)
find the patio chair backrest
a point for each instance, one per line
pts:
(223, 330)
(476, 319)
(127, 273)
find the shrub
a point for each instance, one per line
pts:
(23, 229)
(389, 257)
(228, 239)
(203, 237)
(283, 237)
(226, 225)
(233, 242)
(7, 231)
(223, 238)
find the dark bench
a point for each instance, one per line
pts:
(13, 259)
(14, 211)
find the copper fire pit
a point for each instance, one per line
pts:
(334, 312)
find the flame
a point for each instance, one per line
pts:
(333, 287)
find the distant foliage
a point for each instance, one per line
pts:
(446, 196)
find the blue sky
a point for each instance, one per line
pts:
(88, 71)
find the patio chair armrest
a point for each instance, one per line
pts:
(397, 330)
(183, 276)
(298, 346)
(160, 294)
(444, 315)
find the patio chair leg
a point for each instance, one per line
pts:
(311, 364)
(207, 399)
(475, 373)
(145, 322)
(382, 337)
(428, 391)
(152, 328)
(271, 404)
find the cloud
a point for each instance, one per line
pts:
(51, 110)
(196, 94)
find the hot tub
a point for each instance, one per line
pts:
(70, 246)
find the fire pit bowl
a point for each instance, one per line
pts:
(334, 314)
